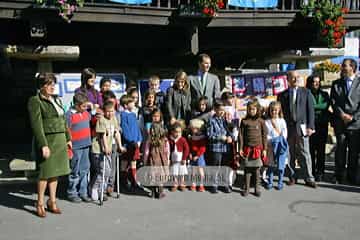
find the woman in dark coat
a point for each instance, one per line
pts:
(51, 140)
(318, 139)
(178, 99)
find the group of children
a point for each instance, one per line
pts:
(179, 144)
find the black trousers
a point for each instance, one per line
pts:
(317, 148)
(347, 156)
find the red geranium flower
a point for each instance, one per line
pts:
(344, 10)
(324, 32)
(206, 10)
(337, 35)
(329, 22)
(221, 4)
(211, 12)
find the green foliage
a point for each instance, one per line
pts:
(328, 17)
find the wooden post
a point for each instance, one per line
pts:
(195, 40)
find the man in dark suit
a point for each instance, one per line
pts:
(298, 107)
(345, 101)
(204, 83)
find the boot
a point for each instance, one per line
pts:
(124, 183)
(257, 182)
(245, 192)
(281, 179)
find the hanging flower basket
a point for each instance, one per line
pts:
(66, 8)
(328, 19)
(201, 8)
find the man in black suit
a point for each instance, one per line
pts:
(204, 83)
(298, 107)
(345, 101)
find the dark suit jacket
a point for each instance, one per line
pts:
(342, 102)
(304, 109)
(212, 88)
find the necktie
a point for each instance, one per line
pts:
(348, 84)
(202, 81)
(293, 104)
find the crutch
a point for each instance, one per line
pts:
(103, 181)
(117, 176)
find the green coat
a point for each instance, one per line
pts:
(50, 130)
(321, 107)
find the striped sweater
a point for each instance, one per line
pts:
(79, 128)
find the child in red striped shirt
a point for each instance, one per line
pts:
(78, 122)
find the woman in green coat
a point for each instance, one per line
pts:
(51, 140)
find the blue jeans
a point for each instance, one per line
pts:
(78, 178)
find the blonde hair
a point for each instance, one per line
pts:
(272, 105)
(154, 78)
(197, 123)
(181, 75)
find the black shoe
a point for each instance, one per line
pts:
(214, 190)
(227, 190)
(86, 199)
(311, 184)
(318, 178)
(105, 198)
(292, 181)
(74, 199)
(257, 193)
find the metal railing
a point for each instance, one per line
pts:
(283, 5)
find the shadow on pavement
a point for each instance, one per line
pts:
(18, 196)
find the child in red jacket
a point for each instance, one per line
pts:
(197, 142)
(179, 152)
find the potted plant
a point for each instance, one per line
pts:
(327, 70)
(201, 8)
(329, 20)
(66, 8)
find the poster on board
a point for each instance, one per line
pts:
(68, 82)
(257, 84)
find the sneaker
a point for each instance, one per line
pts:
(74, 199)
(280, 186)
(182, 188)
(268, 186)
(201, 188)
(193, 187)
(86, 199)
(94, 194)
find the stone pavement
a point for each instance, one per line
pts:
(297, 212)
